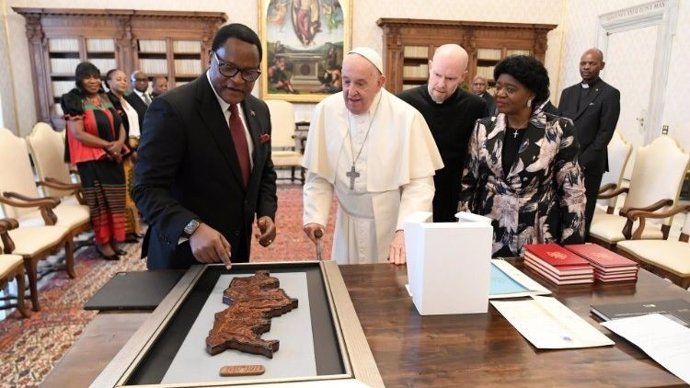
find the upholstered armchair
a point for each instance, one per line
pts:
(34, 244)
(655, 185)
(47, 149)
(17, 183)
(284, 151)
(11, 267)
(619, 151)
(668, 259)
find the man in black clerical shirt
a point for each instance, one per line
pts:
(594, 107)
(450, 113)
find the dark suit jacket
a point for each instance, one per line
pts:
(490, 103)
(595, 121)
(187, 168)
(139, 105)
(544, 190)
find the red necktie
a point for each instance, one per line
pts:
(240, 139)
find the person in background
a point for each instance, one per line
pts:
(159, 86)
(117, 83)
(96, 145)
(594, 106)
(139, 97)
(450, 113)
(204, 171)
(479, 86)
(140, 86)
(376, 153)
(522, 169)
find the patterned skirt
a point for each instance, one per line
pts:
(131, 213)
(103, 182)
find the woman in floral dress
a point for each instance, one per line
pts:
(522, 169)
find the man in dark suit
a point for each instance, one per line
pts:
(479, 86)
(135, 98)
(204, 170)
(594, 106)
(451, 114)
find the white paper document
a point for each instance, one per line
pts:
(664, 340)
(548, 324)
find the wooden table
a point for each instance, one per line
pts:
(484, 349)
(451, 350)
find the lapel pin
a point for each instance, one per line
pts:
(252, 113)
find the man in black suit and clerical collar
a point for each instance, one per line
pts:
(479, 86)
(450, 113)
(594, 106)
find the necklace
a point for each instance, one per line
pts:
(353, 173)
(516, 128)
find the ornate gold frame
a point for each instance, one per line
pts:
(299, 65)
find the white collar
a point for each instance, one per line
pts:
(223, 105)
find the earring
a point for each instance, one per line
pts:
(529, 102)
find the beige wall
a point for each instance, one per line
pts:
(577, 20)
(365, 30)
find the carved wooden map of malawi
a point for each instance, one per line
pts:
(253, 301)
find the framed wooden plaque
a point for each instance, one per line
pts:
(334, 351)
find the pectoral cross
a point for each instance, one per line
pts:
(352, 174)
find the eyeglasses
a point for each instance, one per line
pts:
(229, 70)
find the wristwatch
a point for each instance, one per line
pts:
(191, 227)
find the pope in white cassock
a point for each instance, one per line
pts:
(377, 154)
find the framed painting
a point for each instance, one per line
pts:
(303, 42)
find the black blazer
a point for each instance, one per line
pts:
(490, 103)
(187, 168)
(139, 105)
(595, 121)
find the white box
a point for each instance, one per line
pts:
(449, 263)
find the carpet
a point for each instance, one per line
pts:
(29, 348)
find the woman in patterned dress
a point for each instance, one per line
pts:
(522, 169)
(96, 145)
(117, 82)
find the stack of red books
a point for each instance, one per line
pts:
(557, 264)
(608, 266)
